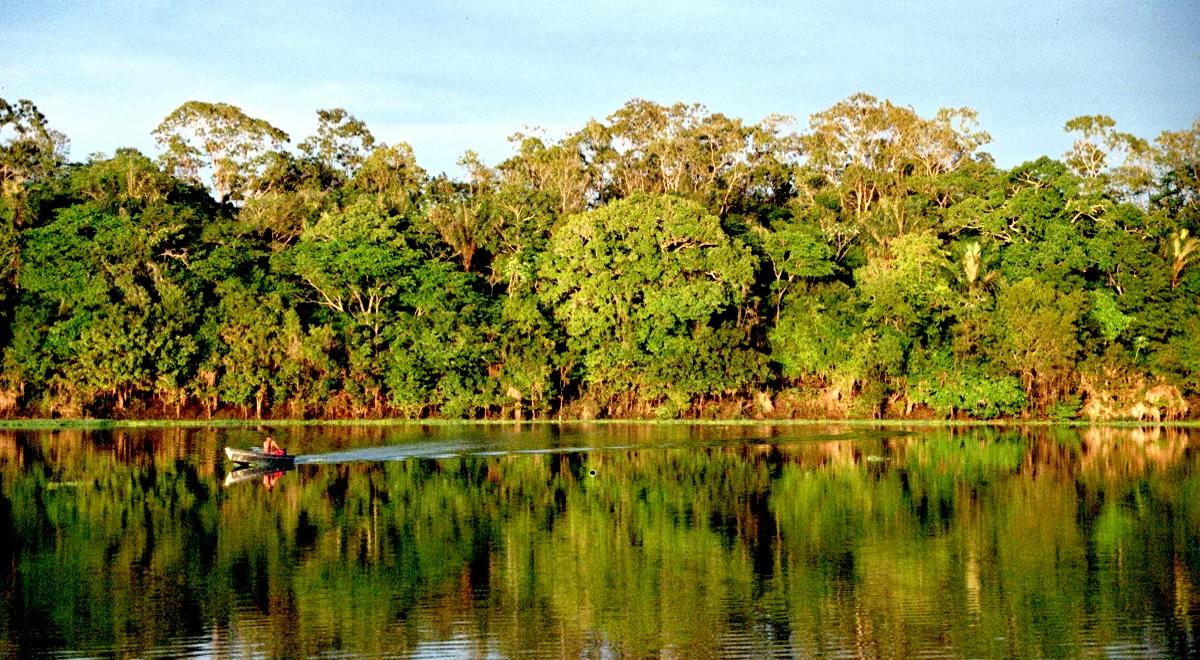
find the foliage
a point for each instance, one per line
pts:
(199, 135)
(950, 390)
(644, 289)
(666, 260)
(1105, 312)
(815, 336)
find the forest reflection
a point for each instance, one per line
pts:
(710, 540)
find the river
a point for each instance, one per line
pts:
(603, 540)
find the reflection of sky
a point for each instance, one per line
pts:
(456, 75)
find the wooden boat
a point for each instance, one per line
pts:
(256, 458)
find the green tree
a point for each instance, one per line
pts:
(29, 148)
(950, 386)
(441, 345)
(684, 149)
(1098, 143)
(1183, 251)
(461, 215)
(639, 286)
(111, 358)
(252, 350)
(355, 262)
(1034, 334)
(796, 253)
(569, 172)
(391, 178)
(109, 279)
(908, 288)
(815, 335)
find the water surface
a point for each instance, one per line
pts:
(747, 540)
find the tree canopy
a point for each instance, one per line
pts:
(665, 260)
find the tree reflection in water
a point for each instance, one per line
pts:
(694, 540)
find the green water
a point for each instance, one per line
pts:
(602, 541)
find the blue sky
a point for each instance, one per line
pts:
(450, 76)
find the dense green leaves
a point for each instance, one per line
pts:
(666, 260)
(647, 290)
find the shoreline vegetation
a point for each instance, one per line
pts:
(664, 263)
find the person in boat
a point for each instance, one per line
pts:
(269, 447)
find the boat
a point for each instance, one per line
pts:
(257, 458)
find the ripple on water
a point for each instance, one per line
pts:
(215, 643)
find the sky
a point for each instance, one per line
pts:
(455, 75)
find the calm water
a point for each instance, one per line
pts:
(603, 541)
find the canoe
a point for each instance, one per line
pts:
(257, 458)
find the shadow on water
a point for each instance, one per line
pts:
(749, 540)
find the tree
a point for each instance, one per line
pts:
(10, 261)
(815, 335)
(1035, 215)
(796, 252)
(29, 148)
(640, 287)
(906, 288)
(869, 149)
(30, 151)
(530, 352)
(287, 195)
(252, 349)
(342, 142)
(1178, 158)
(665, 260)
(111, 357)
(391, 178)
(1087, 158)
(109, 276)
(1034, 334)
(441, 345)
(1095, 147)
(569, 171)
(355, 262)
(198, 135)
(460, 214)
(522, 219)
(685, 150)
(1183, 250)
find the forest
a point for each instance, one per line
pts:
(665, 262)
